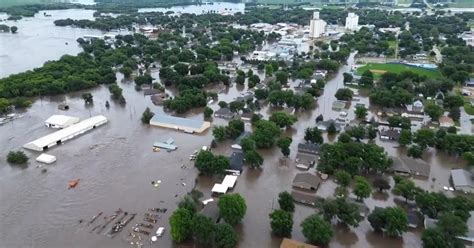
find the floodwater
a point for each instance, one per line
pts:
(115, 165)
(217, 7)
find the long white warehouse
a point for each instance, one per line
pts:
(67, 133)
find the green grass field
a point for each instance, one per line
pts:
(379, 69)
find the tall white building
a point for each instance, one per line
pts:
(317, 27)
(352, 22)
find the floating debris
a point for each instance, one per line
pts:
(73, 183)
(94, 218)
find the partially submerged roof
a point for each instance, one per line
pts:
(307, 178)
(305, 198)
(211, 211)
(219, 188)
(46, 158)
(309, 148)
(415, 167)
(229, 181)
(62, 120)
(224, 112)
(461, 178)
(179, 123)
(64, 134)
(291, 243)
(236, 161)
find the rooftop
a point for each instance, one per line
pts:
(211, 211)
(305, 198)
(414, 167)
(308, 179)
(291, 243)
(236, 161)
(309, 148)
(461, 177)
(224, 112)
(179, 123)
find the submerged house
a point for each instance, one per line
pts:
(390, 134)
(410, 167)
(224, 113)
(306, 181)
(180, 124)
(236, 161)
(462, 180)
(305, 198)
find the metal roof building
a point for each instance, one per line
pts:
(61, 121)
(67, 133)
(462, 180)
(178, 123)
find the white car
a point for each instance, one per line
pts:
(160, 231)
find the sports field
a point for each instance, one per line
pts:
(379, 69)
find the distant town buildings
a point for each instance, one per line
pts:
(317, 27)
(352, 22)
(468, 37)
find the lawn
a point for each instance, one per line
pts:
(379, 69)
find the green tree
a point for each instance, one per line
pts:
(367, 79)
(286, 201)
(17, 157)
(240, 79)
(281, 223)
(415, 151)
(424, 138)
(236, 106)
(381, 183)
(343, 178)
(347, 77)
(126, 71)
(253, 158)
(147, 115)
(247, 144)
(346, 213)
(434, 238)
(283, 119)
(188, 203)
(396, 221)
(317, 230)
(209, 164)
(265, 133)
(282, 77)
(208, 112)
(405, 137)
(344, 94)
(361, 112)
(14, 29)
(225, 236)
(235, 128)
(284, 144)
(362, 188)
(313, 135)
(433, 110)
(232, 208)
(4, 105)
(268, 70)
(181, 68)
(143, 79)
(357, 132)
(88, 98)
(180, 223)
(371, 132)
(332, 129)
(405, 187)
(377, 219)
(222, 104)
(203, 229)
(219, 133)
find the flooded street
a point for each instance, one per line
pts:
(115, 162)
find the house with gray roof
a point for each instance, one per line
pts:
(224, 113)
(462, 180)
(306, 181)
(410, 167)
(324, 125)
(211, 210)
(305, 198)
(390, 134)
(309, 148)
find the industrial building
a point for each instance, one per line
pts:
(61, 121)
(317, 27)
(178, 123)
(352, 22)
(67, 133)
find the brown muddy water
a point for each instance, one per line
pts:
(115, 165)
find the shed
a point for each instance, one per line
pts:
(462, 180)
(61, 121)
(306, 181)
(65, 134)
(46, 158)
(158, 99)
(178, 123)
